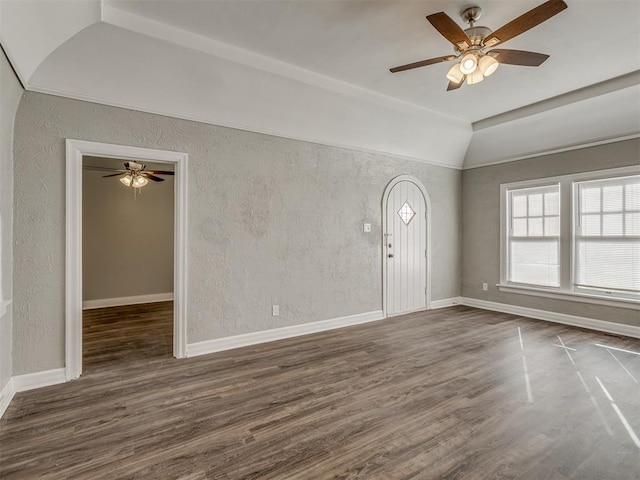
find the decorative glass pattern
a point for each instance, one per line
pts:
(406, 213)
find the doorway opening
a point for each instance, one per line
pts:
(125, 272)
(127, 261)
(406, 250)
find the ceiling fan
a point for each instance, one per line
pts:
(470, 45)
(135, 175)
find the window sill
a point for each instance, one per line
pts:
(570, 296)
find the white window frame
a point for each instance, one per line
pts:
(508, 214)
(566, 290)
(576, 222)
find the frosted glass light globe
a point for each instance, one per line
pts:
(488, 65)
(475, 77)
(468, 63)
(455, 75)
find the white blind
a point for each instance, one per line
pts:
(534, 235)
(608, 234)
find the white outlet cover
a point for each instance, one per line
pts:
(367, 227)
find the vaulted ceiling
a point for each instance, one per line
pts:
(318, 71)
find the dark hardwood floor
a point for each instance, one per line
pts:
(457, 393)
(116, 336)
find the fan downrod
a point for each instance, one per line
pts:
(475, 34)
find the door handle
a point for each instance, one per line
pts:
(390, 255)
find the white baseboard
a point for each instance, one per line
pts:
(583, 322)
(237, 341)
(445, 302)
(46, 378)
(6, 395)
(116, 302)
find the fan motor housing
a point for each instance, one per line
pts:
(477, 34)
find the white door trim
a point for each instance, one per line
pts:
(76, 149)
(385, 198)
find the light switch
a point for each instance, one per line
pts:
(275, 310)
(367, 227)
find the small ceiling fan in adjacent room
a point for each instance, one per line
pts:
(137, 176)
(473, 61)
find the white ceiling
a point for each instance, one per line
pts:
(318, 71)
(358, 41)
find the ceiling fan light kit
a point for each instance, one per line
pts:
(134, 181)
(473, 61)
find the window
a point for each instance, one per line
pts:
(534, 235)
(607, 235)
(575, 237)
(406, 213)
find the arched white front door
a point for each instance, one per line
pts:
(405, 249)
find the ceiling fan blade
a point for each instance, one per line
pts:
(518, 57)
(422, 63)
(455, 86)
(114, 175)
(525, 22)
(160, 172)
(152, 177)
(102, 169)
(449, 30)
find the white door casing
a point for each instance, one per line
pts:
(406, 252)
(75, 150)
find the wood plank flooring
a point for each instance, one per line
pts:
(122, 335)
(456, 393)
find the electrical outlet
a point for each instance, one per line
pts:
(485, 287)
(367, 227)
(275, 310)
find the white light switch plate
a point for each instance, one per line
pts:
(367, 227)
(275, 310)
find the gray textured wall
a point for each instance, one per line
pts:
(481, 223)
(271, 220)
(10, 94)
(127, 241)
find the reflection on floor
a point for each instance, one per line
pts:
(119, 336)
(453, 393)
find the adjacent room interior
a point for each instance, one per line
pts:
(309, 240)
(127, 261)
